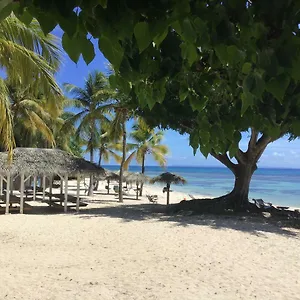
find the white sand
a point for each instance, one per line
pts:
(126, 251)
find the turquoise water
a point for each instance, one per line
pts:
(279, 186)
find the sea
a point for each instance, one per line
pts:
(279, 186)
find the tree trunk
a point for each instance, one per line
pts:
(122, 162)
(108, 181)
(137, 191)
(91, 186)
(168, 193)
(239, 196)
(143, 171)
(99, 164)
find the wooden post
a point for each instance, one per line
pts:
(50, 188)
(78, 190)
(44, 186)
(34, 187)
(61, 185)
(7, 193)
(137, 191)
(66, 194)
(21, 193)
(1, 185)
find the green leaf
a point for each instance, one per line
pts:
(246, 69)
(112, 50)
(189, 52)
(194, 140)
(183, 93)
(25, 17)
(296, 128)
(87, 50)
(47, 21)
(259, 85)
(6, 7)
(247, 101)
(235, 55)
(197, 103)
(188, 33)
(71, 47)
(69, 24)
(142, 35)
(277, 86)
(221, 52)
(103, 3)
(232, 150)
(159, 38)
(205, 149)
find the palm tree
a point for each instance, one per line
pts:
(146, 141)
(32, 118)
(90, 101)
(107, 148)
(28, 58)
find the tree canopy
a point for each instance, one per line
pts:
(247, 49)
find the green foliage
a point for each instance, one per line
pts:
(232, 64)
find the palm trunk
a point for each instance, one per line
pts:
(168, 193)
(143, 171)
(91, 176)
(99, 164)
(137, 191)
(108, 181)
(122, 161)
(100, 157)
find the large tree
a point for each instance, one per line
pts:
(235, 60)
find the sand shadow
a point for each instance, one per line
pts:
(157, 213)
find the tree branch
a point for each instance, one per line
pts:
(253, 139)
(261, 145)
(240, 157)
(224, 159)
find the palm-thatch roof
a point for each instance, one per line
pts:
(136, 178)
(38, 161)
(112, 176)
(168, 177)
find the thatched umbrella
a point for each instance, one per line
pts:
(137, 178)
(111, 176)
(168, 178)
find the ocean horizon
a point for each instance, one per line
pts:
(277, 185)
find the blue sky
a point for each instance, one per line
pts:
(280, 154)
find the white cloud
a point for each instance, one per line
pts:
(278, 154)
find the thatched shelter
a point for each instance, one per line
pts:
(111, 176)
(137, 178)
(28, 163)
(168, 178)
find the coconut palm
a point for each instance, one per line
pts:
(107, 148)
(90, 101)
(168, 178)
(146, 141)
(31, 118)
(28, 58)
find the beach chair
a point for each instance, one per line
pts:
(152, 198)
(116, 190)
(260, 203)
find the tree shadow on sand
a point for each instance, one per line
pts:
(256, 225)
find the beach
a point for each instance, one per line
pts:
(130, 250)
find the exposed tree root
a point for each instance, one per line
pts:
(228, 204)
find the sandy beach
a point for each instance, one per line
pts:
(128, 250)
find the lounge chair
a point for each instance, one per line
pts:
(152, 198)
(260, 203)
(116, 190)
